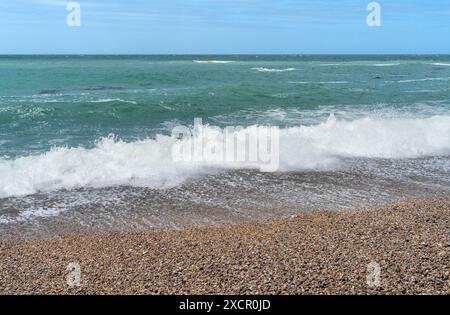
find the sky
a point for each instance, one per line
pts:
(225, 27)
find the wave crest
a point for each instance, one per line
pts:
(148, 162)
(261, 69)
(213, 61)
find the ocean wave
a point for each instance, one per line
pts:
(420, 80)
(261, 69)
(319, 82)
(440, 64)
(213, 61)
(359, 64)
(386, 64)
(48, 92)
(26, 111)
(104, 88)
(110, 100)
(330, 64)
(423, 91)
(149, 162)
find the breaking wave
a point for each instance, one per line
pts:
(260, 69)
(148, 162)
(213, 61)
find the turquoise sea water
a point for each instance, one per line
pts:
(67, 100)
(76, 128)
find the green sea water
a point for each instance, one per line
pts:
(85, 141)
(50, 101)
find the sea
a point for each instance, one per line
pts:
(86, 142)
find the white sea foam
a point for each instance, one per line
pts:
(358, 64)
(440, 64)
(213, 61)
(33, 212)
(386, 64)
(148, 162)
(261, 69)
(109, 100)
(331, 64)
(319, 82)
(40, 212)
(333, 82)
(420, 80)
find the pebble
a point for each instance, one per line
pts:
(310, 253)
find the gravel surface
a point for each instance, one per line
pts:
(310, 253)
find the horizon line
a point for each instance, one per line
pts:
(233, 54)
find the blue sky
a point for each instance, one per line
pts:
(227, 27)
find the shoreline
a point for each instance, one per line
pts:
(319, 252)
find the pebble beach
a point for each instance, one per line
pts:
(319, 252)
